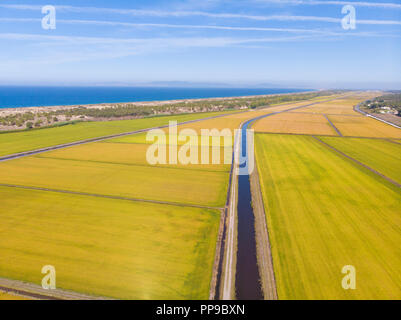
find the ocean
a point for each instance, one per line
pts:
(15, 97)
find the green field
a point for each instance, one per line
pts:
(381, 155)
(106, 247)
(15, 142)
(208, 188)
(325, 212)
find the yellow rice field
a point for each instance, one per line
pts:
(185, 186)
(325, 212)
(297, 123)
(105, 247)
(364, 127)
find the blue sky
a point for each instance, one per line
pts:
(296, 43)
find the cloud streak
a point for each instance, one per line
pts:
(384, 5)
(216, 27)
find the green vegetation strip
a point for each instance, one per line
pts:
(16, 142)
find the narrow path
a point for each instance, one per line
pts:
(332, 124)
(326, 135)
(357, 108)
(358, 162)
(109, 196)
(228, 281)
(36, 292)
(393, 141)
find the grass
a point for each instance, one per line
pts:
(364, 127)
(27, 140)
(381, 155)
(107, 247)
(296, 123)
(184, 186)
(325, 212)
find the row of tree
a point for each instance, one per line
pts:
(129, 110)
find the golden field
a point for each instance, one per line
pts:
(105, 247)
(134, 154)
(207, 188)
(364, 127)
(325, 212)
(297, 123)
(379, 154)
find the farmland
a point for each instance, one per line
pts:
(108, 247)
(71, 214)
(133, 154)
(206, 188)
(298, 123)
(150, 231)
(15, 142)
(340, 107)
(343, 106)
(381, 155)
(324, 212)
(362, 126)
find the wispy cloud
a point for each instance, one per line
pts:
(163, 13)
(51, 49)
(155, 13)
(385, 5)
(184, 41)
(217, 27)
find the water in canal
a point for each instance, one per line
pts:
(247, 284)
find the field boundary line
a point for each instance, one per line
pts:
(329, 114)
(266, 267)
(30, 290)
(176, 204)
(392, 141)
(323, 135)
(358, 162)
(333, 126)
(132, 164)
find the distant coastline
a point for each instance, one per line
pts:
(14, 97)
